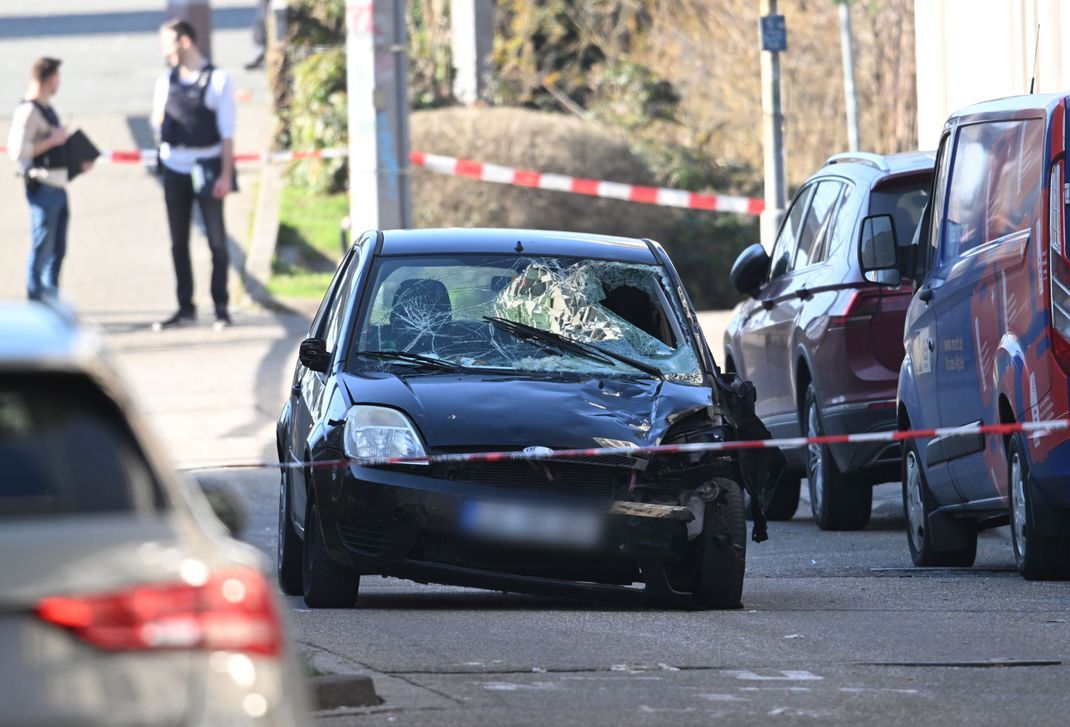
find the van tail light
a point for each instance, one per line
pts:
(1059, 271)
(233, 610)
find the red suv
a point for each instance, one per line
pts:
(821, 340)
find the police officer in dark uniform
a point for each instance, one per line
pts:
(193, 110)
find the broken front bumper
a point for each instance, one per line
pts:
(401, 522)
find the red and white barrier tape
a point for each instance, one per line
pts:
(1035, 428)
(498, 174)
(593, 187)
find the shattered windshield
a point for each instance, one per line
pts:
(452, 308)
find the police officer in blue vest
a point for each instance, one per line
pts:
(193, 111)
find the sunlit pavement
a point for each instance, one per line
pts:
(836, 628)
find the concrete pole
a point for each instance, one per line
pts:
(472, 36)
(377, 76)
(773, 141)
(850, 97)
(197, 13)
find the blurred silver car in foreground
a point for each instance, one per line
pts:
(122, 598)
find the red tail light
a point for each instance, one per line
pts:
(1059, 272)
(233, 610)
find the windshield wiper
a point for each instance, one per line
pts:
(580, 348)
(413, 358)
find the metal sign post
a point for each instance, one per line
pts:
(472, 34)
(377, 80)
(774, 42)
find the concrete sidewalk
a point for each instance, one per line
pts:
(213, 396)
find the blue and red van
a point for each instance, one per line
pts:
(987, 338)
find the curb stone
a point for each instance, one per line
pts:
(336, 691)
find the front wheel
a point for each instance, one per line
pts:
(721, 550)
(838, 501)
(1038, 558)
(327, 584)
(289, 556)
(923, 531)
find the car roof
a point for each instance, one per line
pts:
(880, 164)
(36, 332)
(507, 241)
(1035, 104)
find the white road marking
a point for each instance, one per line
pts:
(787, 675)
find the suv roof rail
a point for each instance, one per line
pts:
(860, 157)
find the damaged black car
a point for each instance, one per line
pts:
(441, 342)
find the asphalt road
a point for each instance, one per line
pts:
(837, 628)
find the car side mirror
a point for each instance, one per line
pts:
(750, 270)
(313, 354)
(879, 252)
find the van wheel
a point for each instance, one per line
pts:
(327, 584)
(1038, 558)
(717, 581)
(918, 503)
(289, 556)
(838, 501)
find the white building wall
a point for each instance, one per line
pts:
(975, 50)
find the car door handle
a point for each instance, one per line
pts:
(925, 294)
(769, 304)
(803, 294)
(931, 346)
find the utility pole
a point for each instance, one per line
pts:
(472, 38)
(849, 94)
(197, 13)
(774, 42)
(378, 87)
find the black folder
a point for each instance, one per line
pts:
(79, 151)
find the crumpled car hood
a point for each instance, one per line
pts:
(459, 411)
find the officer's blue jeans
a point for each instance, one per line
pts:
(49, 215)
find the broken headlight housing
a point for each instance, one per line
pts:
(378, 431)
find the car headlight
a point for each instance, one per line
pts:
(376, 431)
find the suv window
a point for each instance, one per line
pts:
(784, 249)
(815, 224)
(65, 448)
(905, 201)
(840, 224)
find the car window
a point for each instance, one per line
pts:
(784, 249)
(939, 194)
(319, 323)
(438, 305)
(341, 304)
(905, 201)
(996, 177)
(840, 224)
(65, 449)
(815, 225)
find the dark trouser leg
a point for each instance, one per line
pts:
(178, 194)
(59, 248)
(44, 215)
(212, 214)
(260, 24)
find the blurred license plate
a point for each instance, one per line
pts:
(531, 524)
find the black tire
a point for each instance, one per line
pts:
(918, 504)
(785, 499)
(290, 552)
(327, 584)
(838, 501)
(717, 581)
(1038, 558)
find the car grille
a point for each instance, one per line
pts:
(559, 477)
(362, 539)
